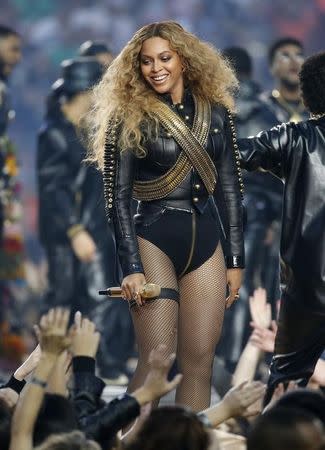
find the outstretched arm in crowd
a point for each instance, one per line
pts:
(53, 341)
(240, 401)
(155, 386)
(10, 391)
(261, 316)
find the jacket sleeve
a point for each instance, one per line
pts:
(98, 420)
(232, 189)
(104, 424)
(119, 173)
(87, 387)
(269, 150)
(56, 192)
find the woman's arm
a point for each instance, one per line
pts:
(119, 173)
(230, 181)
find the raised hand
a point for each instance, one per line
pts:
(263, 338)
(156, 383)
(156, 380)
(29, 365)
(53, 331)
(239, 400)
(85, 338)
(259, 308)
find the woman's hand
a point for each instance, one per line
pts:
(83, 246)
(234, 278)
(132, 286)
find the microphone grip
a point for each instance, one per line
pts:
(112, 292)
(150, 290)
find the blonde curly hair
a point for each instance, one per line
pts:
(124, 96)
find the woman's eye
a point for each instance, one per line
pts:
(165, 58)
(145, 61)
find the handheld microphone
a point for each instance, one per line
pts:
(150, 290)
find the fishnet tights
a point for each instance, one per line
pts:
(193, 327)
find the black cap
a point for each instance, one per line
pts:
(78, 75)
(93, 48)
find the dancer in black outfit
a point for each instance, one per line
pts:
(296, 153)
(164, 108)
(73, 228)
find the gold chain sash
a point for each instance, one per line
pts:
(193, 142)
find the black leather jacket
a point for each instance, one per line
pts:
(99, 420)
(70, 192)
(296, 153)
(190, 195)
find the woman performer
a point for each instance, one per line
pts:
(163, 116)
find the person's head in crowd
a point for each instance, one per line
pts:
(98, 50)
(312, 83)
(75, 440)
(172, 428)
(71, 93)
(57, 415)
(286, 56)
(286, 429)
(161, 58)
(5, 423)
(240, 60)
(308, 400)
(10, 50)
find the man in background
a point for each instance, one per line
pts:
(286, 56)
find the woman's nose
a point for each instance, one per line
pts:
(156, 66)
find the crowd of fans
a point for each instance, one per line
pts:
(53, 401)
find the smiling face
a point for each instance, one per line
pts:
(162, 68)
